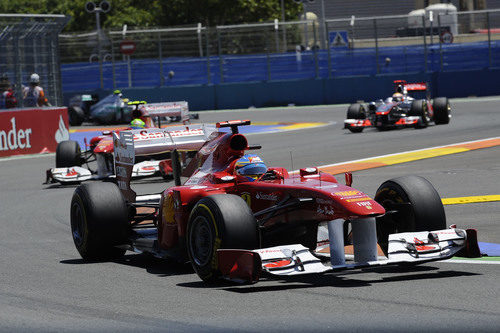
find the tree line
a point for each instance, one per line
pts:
(163, 13)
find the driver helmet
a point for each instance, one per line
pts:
(250, 167)
(397, 97)
(34, 78)
(137, 124)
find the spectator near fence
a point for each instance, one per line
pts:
(33, 94)
(7, 98)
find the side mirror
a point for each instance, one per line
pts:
(348, 179)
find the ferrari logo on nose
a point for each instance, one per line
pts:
(248, 199)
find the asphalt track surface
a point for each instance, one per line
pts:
(45, 286)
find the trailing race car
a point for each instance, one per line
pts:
(235, 218)
(69, 158)
(400, 110)
(114, 109)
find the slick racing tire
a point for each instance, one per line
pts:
(68, 154)
(216, 222)
(414, 205)
(419, 109)
(356, 111)
(99, 221)
(76, 115)
(442, 110)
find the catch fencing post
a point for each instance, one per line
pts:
(160, 58)
(220, 56)
(284, 25)
(54, 62)
(276, 35)
(489, 38)
(198, 31)
(129, 71)
(208, 55)
(328, 52)
(268, 62)
(425, 43)
(376, 44)
(440, 44)
(113, 70)
(315, 52)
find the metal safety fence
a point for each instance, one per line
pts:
(423, 41)
(29, 44)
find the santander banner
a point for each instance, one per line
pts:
(32, 131)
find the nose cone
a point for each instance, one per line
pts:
(357, 203)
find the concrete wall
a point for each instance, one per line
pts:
(315, 91)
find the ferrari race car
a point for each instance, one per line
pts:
(114, 109)
(400, 110)
(230, 226)
(69, 158)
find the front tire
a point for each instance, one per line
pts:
(417, 204)
(442, 110)
(356, 111)
(419, 109)
(99, 221)
(68, 154)
(219, 221)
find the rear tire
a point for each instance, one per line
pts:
(219, 221)
(99, 221)
(68, 154)
(418, 205)
(442, 110)
(76, 115)
(419, 109)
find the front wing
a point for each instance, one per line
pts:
(362, 123)
(77, 174)
(287, 260)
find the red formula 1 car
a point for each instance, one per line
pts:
(70, 160)
(400, 110)
(236, 225)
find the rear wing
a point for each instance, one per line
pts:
(151, 141)
(420, 86)
(167, 109)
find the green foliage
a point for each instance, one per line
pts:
(144, 13)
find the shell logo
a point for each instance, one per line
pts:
(346, 193)
(280, 263)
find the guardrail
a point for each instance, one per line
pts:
(32, 131)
